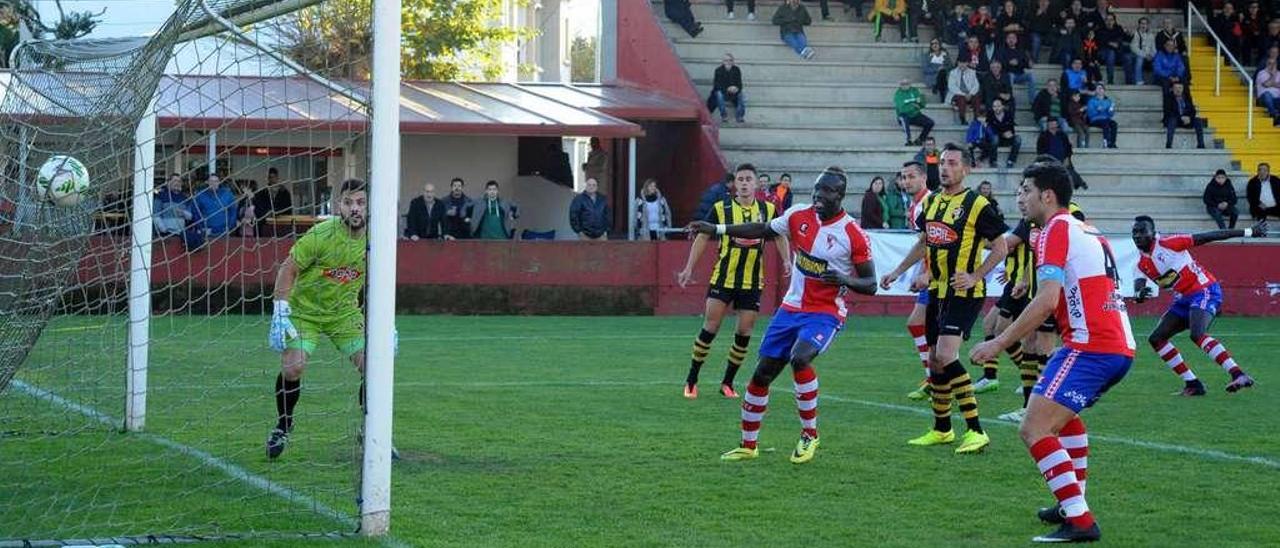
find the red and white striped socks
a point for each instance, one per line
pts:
(1076, 441)
(754, 404)
(1173, 359)
(807, 400)
(1219, 353)
(1059, 472)
(922, 346)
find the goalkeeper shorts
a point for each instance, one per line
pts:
(345, 332)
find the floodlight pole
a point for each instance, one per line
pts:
(144, 156)
(384, 190)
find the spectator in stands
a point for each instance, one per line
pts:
(791, 19)
(982, 25)
(458, 212)
(727, 87)
(597, 164)
(1142, 51)
(1092, 19)
(589, 214)
(973, 53)
(1054, 142)
(1168, 65)
(719, 191)
(1042, 28)
(963, 91)
(246, 192)
(956, 29)
(216, 207)
(1101, 112)
(425, 220)
(497, 218)
(1220, 200)
(1076, 78)
(1263, 193)
(981, 139)
(934, 65)
(824, 7)
(653, 214)
(781, 192)
(1048, 105)
(1078, 122)
(1267, 88)
(262, 206)
(1254, 26)
(996, 84)
(894, 11)
(556, 165)
(1010, 20)
(1018, 63)
(875, 201)
(171, 208)
(985, 190)
(1091, 55)
(930, 156)
(1068, 42)
(281, 198)
(1269, 40)
(1180, 111)
(763, 183)
(1273, 54)
(908, 104)
(1114, 40)
(751, 9)
(895, 206)
(1002, 123)
(1229, 26)
(680, 13)
(1170, 33)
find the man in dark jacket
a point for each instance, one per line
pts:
(791, 19)
(996, 84)
(1001, 121)
(1263, 193)
(425, 220)
(717, 192)
(680, 13)
(727, 88)
(496, 217)
(1180, 111)
(1018, 63)
(1220, 200)
(589, 213)
(458, 212)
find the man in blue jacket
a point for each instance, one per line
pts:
(1101, 112)
(717, 192)
(217, 208)
(589, 213)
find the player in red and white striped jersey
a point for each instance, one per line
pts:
(832, 256)
(1197, 297)
(1079, 283)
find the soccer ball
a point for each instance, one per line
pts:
(63, 180)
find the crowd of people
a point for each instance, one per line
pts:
(217, 208)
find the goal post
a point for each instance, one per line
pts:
(141, 235)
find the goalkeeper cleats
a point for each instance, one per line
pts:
(934, 437)
(805, 449)
(973, 442)
(276, 442)
(740, 454)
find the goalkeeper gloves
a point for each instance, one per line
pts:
(282, 329)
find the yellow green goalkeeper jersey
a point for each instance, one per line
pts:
(331, 269)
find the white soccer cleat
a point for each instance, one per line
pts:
(1014, 416)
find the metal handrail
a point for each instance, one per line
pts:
(1217, 72)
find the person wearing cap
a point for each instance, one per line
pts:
(908, 104)
(1220, 200)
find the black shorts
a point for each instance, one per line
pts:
(952, 316)
(739, 299)
(1050, 325)
(1009, 306)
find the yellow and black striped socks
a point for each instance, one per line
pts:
(962, 390)
(1029, 368)
(737, 354)
(991, 367)
(940, 393)
(701, 347)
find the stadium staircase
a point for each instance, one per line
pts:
(1225, 112)
(837, 109)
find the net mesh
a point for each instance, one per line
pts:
(279, 142)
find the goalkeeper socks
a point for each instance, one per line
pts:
(991, 367)
(962, 390)
(736, 354)
(287, 393)
(701, 347)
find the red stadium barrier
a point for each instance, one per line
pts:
(471, 277)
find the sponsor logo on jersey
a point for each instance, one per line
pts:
(746, 242)
(804, 229)
(939, 234)
(1168, 279)
(343, 274)
(809, 265)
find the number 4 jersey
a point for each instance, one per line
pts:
(818, 246)
(1091, 314)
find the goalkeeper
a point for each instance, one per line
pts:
(317, 294)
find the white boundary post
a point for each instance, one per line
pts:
(384, 190)
(144, 156)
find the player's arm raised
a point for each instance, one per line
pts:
(1258, 230)
(742, 230)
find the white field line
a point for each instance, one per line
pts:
(604, 337)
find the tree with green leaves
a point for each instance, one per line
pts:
(441, 39)
(70, 26)
(582, 59)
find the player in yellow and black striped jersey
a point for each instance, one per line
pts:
(737, 280)
(956, 226)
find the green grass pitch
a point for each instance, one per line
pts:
(537, 431)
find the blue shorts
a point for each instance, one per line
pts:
(1077, 379)
(1208, 299)
(922, 298)
(789, 328)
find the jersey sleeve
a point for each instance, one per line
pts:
(1178, 242)
(781, 224)
(714, 213)
(859, 244)
(989, 225)
(1023, 232)
(305, 251)
(1054, 242)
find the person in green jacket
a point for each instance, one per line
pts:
(895, 208)
(791, 19)
(908, 103)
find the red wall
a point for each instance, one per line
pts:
(644, 269)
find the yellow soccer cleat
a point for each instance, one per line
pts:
(934, 437)
(973, 442)
(921, 393)
(805, 449)
(740, 454)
